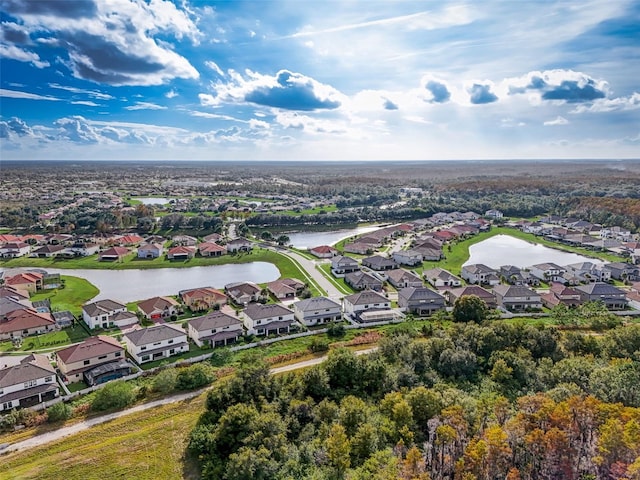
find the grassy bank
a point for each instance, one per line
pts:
(76, 292)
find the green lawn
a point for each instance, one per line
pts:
(339, 283)
(76, 292)
(51, 340)
(311, 211)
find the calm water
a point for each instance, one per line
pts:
(506, 250)
(152, 200)
(132, 285)
(314, 239)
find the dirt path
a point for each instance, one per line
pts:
(85, 424)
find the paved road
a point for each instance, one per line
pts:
(84, 425)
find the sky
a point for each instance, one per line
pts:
(319, 80)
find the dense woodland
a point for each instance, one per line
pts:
(470, 402)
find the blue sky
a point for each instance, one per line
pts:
(321, 80)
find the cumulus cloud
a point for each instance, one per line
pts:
(556, 121)
(438, 91)
(285, 90)
(389, 105)
(145, 106)
(481, 94)
(113, 42)
(14, 33)
(171, 94)
(566, 86)
(632, 102)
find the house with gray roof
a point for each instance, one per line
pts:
(216, 329)
(623, 271)
(517, 297)
(100, 314)
(420, 301)
(439, 277)
(485, 295)
(28, 383)
(269, 319)
(548, 272)
(479, 274)
(401, 278)
(366, 301)
(342, 265)
(362, 280)
(157, 342)
(317, 311)
(378, 263)
(611, 296)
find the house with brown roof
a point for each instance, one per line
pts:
(75, 360)
(14, 249)
(269, 319)
(440, 278)
(181, 253)
(203, 298)
(28, 383)
(243, 293)
(323, 251)
(216, 329)
(101, 314)
(517, 297)
(129, 240)
(113, 254)
(454, 294)
(359, 248)
(154, 343)
(213, 238)
(285, 288)
(401, 278)
(158, 307)
(363, 280)
(210, 249)
(24, 322)
(29, 281)
(559, 293)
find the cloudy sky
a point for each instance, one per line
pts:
(299, 80)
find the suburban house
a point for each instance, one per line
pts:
(317, 311)
(286, 288)
(159, 307)
(48, 251)
(181, 253)
(76, 360)
(408, 257)
(24, 322)
(153, 343)
(362, 280)
(150, 250)
(340, 266)
(14, 249)
(15, 293)
(612, 297)
(420, 301)
(439, 277)
(493, 213)
(517, 276)
(130, 239)
(589, 272)
(243, 293)
(360, 248)
(28, 383)
(378, 263)
(363, 301)
(480, 274)
(548, 272)
(323, 251)
(83, 249)
(401, 278)
(428, 253)
(204, 298)
(269, 319)
(488, 297)
(239, 245)
(213, 238)
(29, 281)
(113, 254)
(209, 249)
(623, 271)
(215, 329)
(559, 293)
(100, 314)
(517, 297)
(184, 241)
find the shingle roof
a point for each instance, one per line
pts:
(90, 348)
(316, 303)
(368, 296)
(30, 368)
(102, 306)
(154, 334)
(213, 320)
(257, 311)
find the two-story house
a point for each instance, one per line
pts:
(401, 278)
(100, 314)
(203, 298)
(81, 361)
(215, 329)
(158, 307)
(28, 383)
(368, 300)
(559, 293)
(341, 265)
(420, 301)
(548, 272)
(480, 274)
(485, 295)
(439, 278)
(239, 245)
(612, 297)
(623, 271)
(517, 297)
(589, 272)
(317, 311)
(269, 319)
(150, 250)
(157, 342)
(14, 249)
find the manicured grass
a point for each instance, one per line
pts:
(54, 340)
(311, 211)
(76, 292)
(148, 445)
(339, 283)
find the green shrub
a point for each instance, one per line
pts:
(319, 345)
(165, 381)
(59, 412)
(114, 395)
(336, 331)
(194, 376)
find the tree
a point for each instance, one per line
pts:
(283, 239)
(470, 308)
(339, 450)
(118, 394)
(165, 381)
(59, 412)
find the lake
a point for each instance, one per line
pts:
(132, 285)
(152, 200)
(314, 239)
(506, 250)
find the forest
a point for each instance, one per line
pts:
(473, 401)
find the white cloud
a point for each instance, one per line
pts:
(88, 103)
(145, 106)
(556, 121)
(214, 66)
(631, 102)
(25, 95)
(171, 94)
(16, 53)
(91, 93)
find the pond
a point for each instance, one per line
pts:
(506, 250)
(132, 285)
(313, 239)
(152, 200)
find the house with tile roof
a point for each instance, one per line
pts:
(155, 343)
(243, 293)
(612, 297)
(181, 252)
(216, 329)
(113, 254)
(24, 322)
(29, 281)
(150, 250)
(14, 249)
(488, 297)
(75, 360)
(323, 251)
(158, 307)
(28, 383)
(210, 249)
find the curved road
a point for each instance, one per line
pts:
(85, 424)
